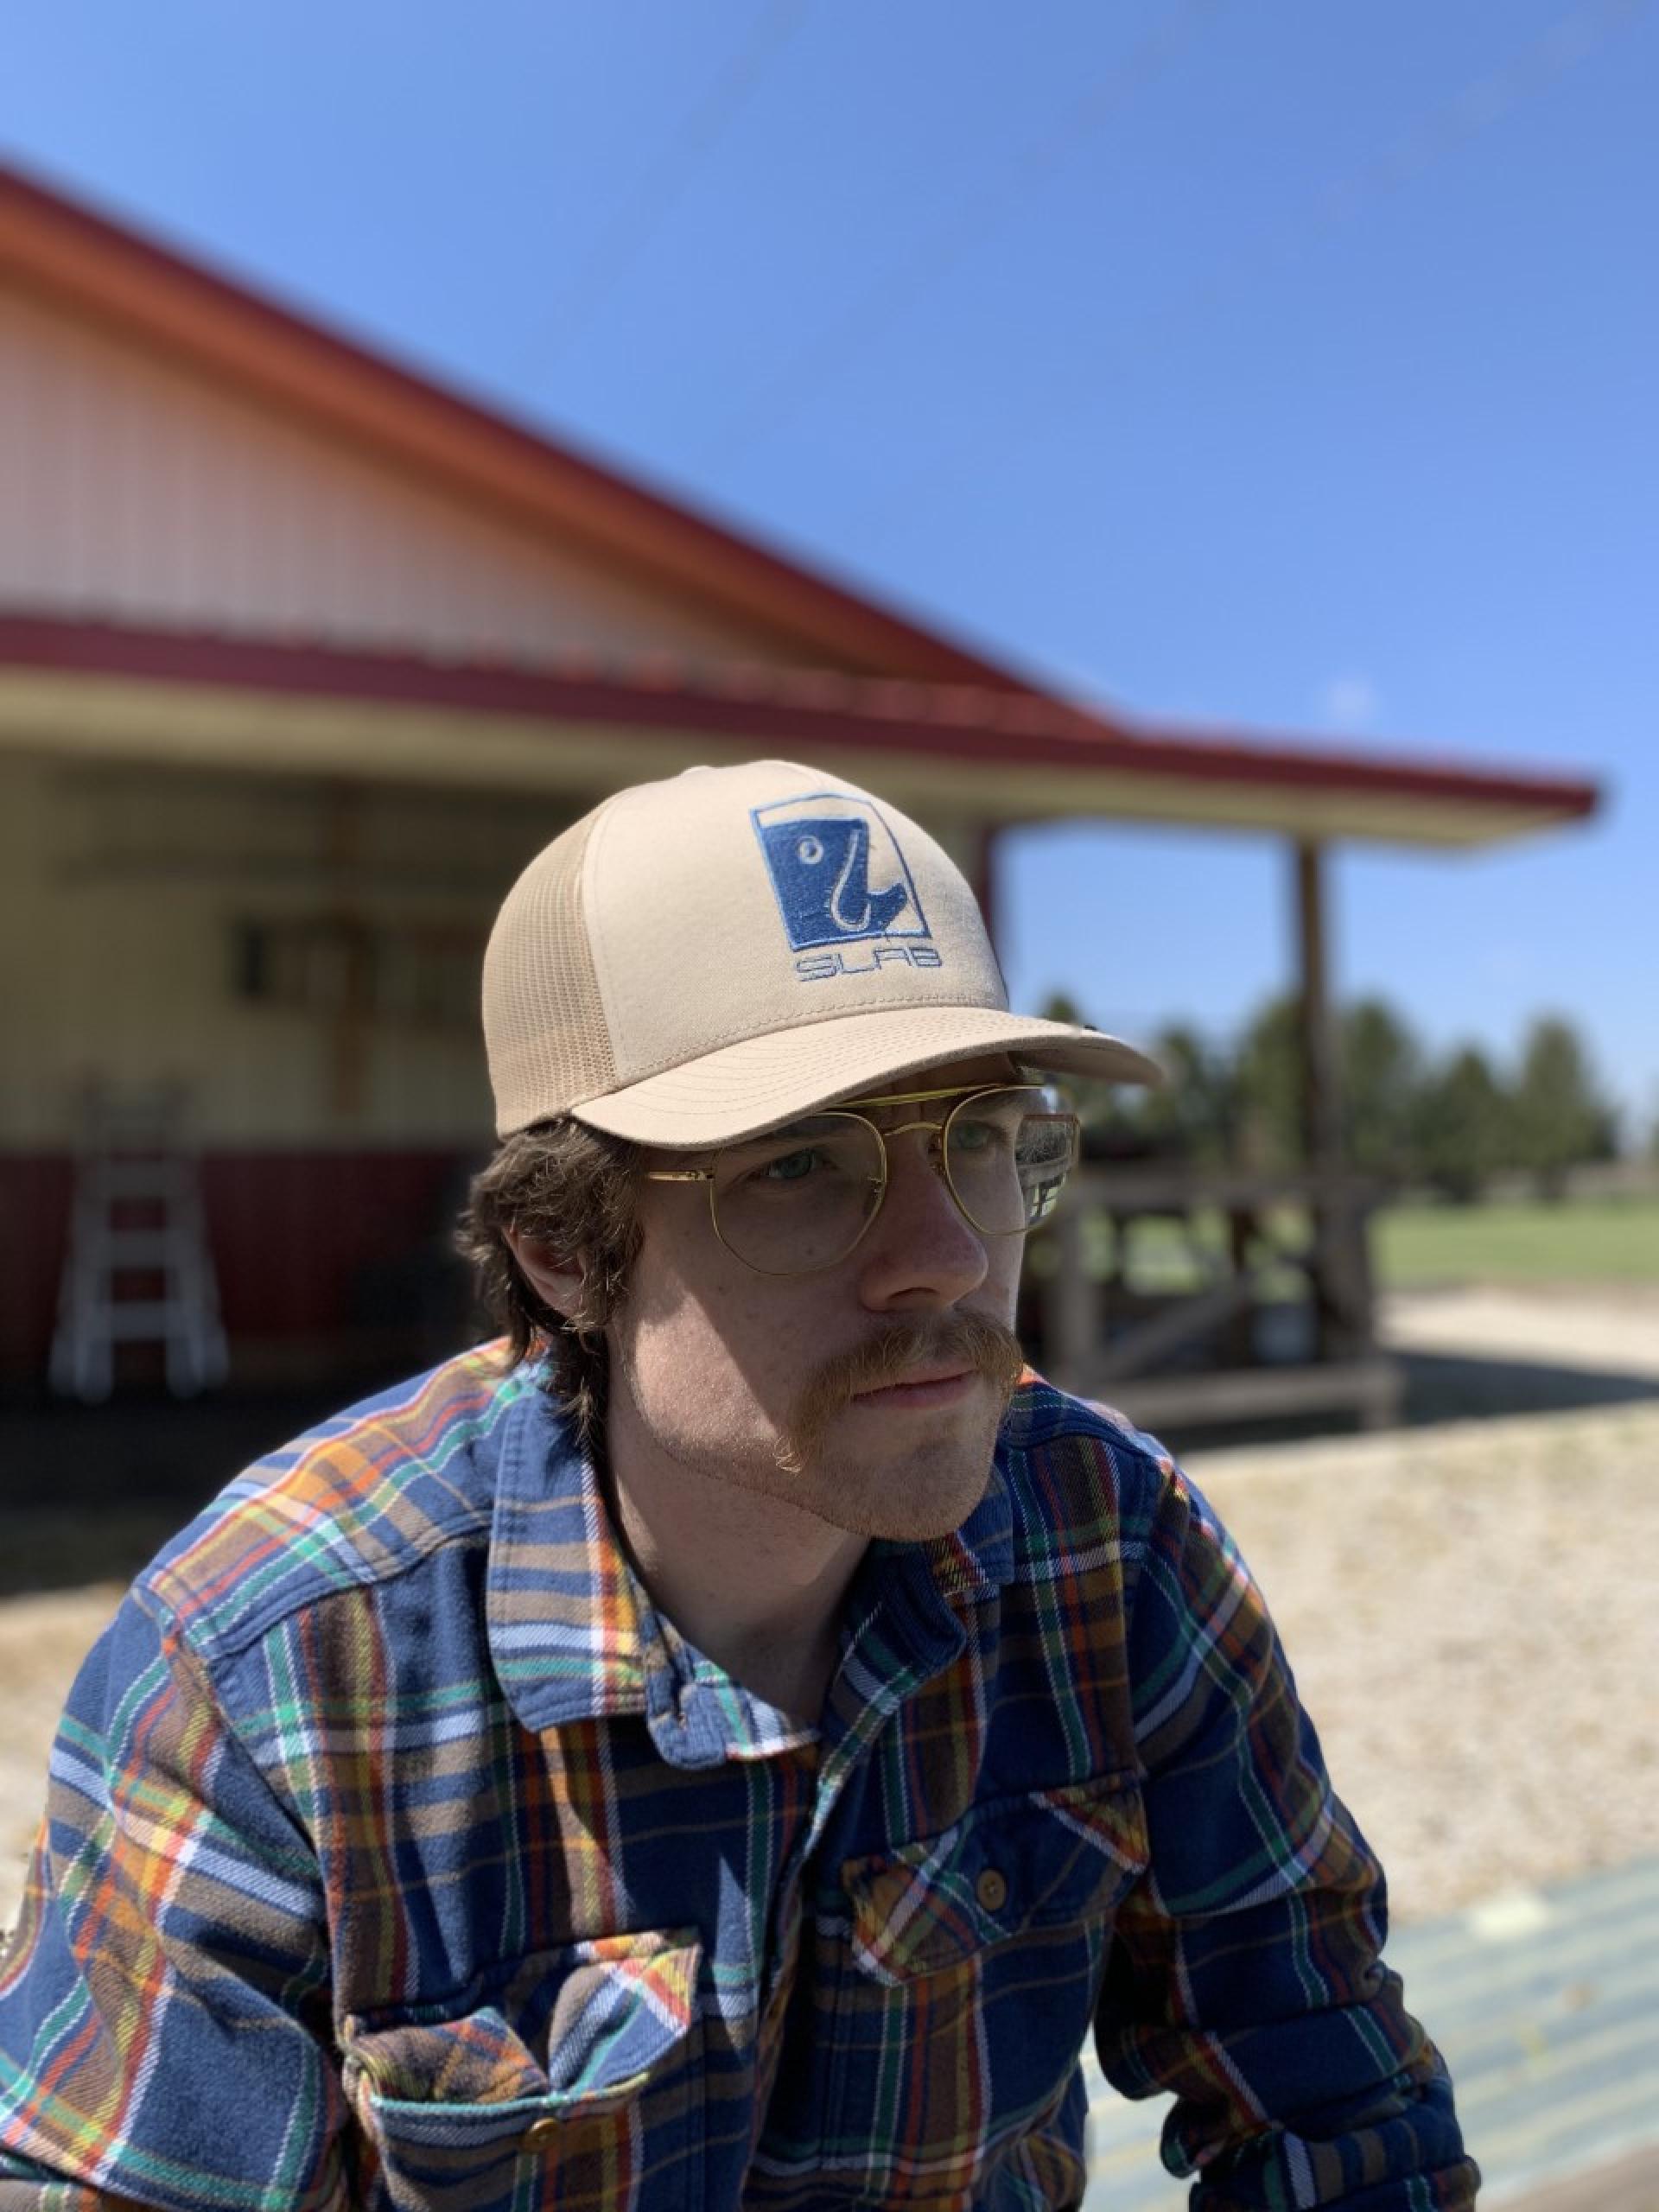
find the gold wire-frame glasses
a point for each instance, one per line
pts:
(818, 1220)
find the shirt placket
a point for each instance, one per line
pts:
(793, 1776)
(904, 1633)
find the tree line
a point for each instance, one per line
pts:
(1450, 1122)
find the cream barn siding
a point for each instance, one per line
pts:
(137, 492)
(122, 894)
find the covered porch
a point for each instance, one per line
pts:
(348, 819)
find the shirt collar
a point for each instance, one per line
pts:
(562, 1606)
(573, 1634)
(977, 1559)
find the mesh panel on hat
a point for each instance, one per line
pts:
(544, 1026)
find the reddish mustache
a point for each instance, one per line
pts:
(909, 1351)
(903, 1350)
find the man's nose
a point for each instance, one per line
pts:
(921, 1249)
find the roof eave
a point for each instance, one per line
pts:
(256, 704)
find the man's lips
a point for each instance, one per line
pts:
(928, 1386)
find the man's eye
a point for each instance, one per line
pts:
(981, 1137)
(792, 1167)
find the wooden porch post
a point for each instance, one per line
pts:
(1342, 1275)
(1321, 1108)
(1320, 1115)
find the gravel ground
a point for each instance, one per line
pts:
(1468, 1608)
(1557, 1325)
(1471, 1615)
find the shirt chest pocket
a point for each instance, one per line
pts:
(972, 1966)
(570, 2082)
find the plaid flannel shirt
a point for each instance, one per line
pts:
(398, 1854)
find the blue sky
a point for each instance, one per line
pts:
(1288, 368)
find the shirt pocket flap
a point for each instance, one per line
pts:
(1048, 1858)
(577, 2032)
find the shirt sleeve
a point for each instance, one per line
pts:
(1245, 1974)
(165, 2026)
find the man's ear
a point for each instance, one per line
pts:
(557, 1280)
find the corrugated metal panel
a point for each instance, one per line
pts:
(143, 494)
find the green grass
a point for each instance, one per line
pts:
(1162, 1258)
(1588, 1240)
(1580, 1241)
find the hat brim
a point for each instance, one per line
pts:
(759, 1082)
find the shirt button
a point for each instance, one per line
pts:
(992, 1890)
(540, 2134)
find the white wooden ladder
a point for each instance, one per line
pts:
(136, 1212)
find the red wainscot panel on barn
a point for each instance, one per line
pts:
(329, 1266)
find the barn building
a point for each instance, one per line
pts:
(301, 655)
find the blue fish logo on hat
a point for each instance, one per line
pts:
(836, 871)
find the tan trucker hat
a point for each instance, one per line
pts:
(704, 957)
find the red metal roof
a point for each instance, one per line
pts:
(814, 712)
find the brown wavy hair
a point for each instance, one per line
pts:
(574, 1188)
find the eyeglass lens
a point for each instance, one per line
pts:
(801, 1197)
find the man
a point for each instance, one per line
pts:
(732, 1747)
